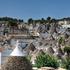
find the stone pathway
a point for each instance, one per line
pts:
(47, 68)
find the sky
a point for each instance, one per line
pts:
(36, 9)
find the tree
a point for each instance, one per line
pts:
(42, 20)
(49, 19)
(12, 24)
(20, 20)
(30, 20)
(10, 19)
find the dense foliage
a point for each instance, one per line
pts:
(46, 60)
(17, 63)
(10, 19)
(31, 20)
(67, 49)
(11, 23)
(66, 63)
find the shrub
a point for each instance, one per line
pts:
(66, 63)
(61, 40)
(67, 49)
(17, 63)
(29, 57)
(46, 60)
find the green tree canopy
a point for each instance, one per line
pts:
(11, 23)
(30, 20)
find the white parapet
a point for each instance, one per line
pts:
(66, 26)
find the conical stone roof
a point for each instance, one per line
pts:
(18, 51)
(31, 47)
(50, 50)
